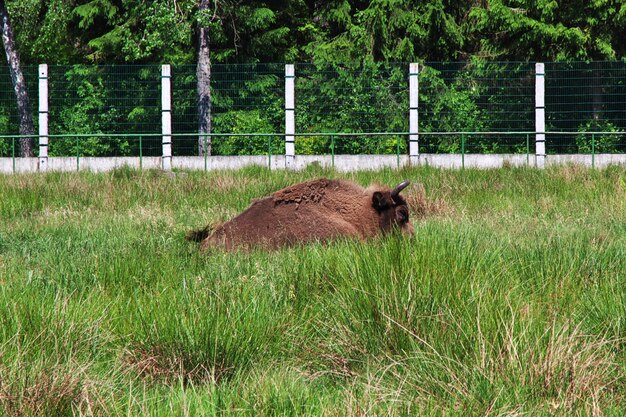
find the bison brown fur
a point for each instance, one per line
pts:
(316, 210)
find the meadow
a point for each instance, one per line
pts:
(509, 300)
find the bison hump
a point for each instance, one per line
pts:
(307, 192)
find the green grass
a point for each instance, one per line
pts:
(509, 300)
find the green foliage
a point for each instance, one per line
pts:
(133, 31)
(547, 30)
(385, 30)
(44, 31)
(67, 31)
(445, 99)
(5, 143)
(242, 122)
(87, 115)
(600, 142)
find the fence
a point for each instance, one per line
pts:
(118, 111)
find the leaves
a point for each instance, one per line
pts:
(89, 12)
(546, 31)
(79, 31)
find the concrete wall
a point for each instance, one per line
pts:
(599, 160)
(98, 164)
(342, 163)
(221, 162)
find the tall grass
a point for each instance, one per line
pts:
(509, 300)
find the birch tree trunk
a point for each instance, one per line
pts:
(203, 74)
(19, 85)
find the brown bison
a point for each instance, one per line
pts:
(316, 210)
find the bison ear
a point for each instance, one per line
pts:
(402, 214)
(378, 201)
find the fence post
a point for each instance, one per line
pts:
(290, 109)
(269, 152)
(527, 149)
(414, 152)
(593, 150)
(140, 153)
(205, 153)
(166, 117)
(462, 151)
(540, 116)
(43, 117)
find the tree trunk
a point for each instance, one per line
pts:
(203, 74)
(19, 85)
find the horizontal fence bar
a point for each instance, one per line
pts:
(309, 134)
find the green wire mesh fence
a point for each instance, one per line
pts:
(368, 97)
(245, 98)
(100, 100)
(586, 97)
(474, 97)
(9, 118)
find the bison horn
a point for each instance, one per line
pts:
(400, 187)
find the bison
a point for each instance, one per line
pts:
(317, 210)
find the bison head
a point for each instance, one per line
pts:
(392, 209)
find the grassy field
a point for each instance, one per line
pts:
(509, 300)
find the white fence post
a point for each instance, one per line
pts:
(166, 117)
(540, 116)
(43, 117)
(290, 110)
(414, 150)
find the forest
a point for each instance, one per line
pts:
(477, 58)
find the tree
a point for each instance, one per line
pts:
(203, 75)
(544, 30)
(385, 30)
(135, 31)
(45, 32)
(19, 84)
